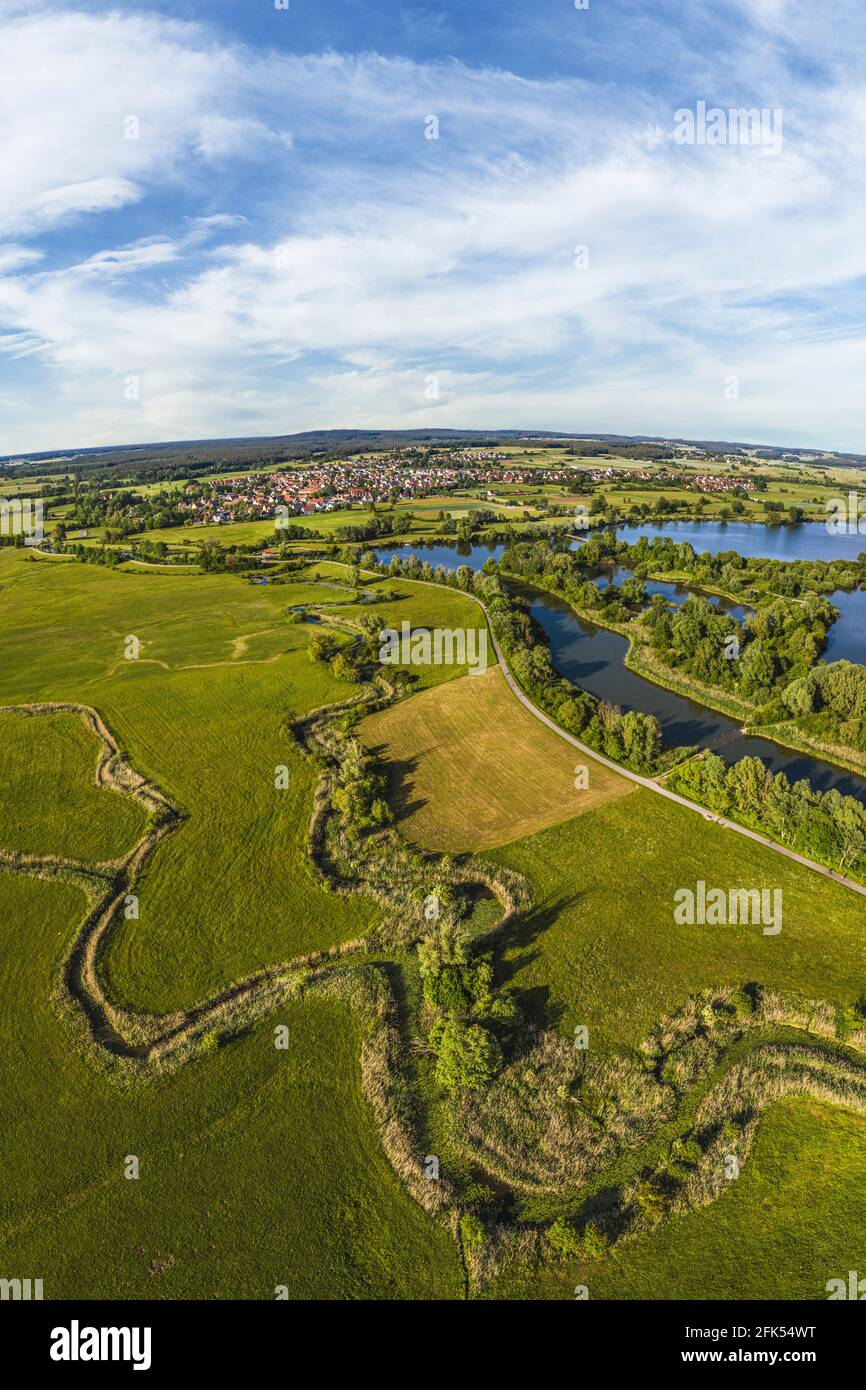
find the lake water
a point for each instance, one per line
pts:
(674, 593)
(451, 556)
(594, 658)
(808, 541)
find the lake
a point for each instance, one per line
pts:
(451, 556)
(808, 541)
(594, 658)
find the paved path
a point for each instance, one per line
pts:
(648, 782)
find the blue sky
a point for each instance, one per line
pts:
(226, 219)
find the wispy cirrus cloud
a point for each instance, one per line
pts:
(270, 241)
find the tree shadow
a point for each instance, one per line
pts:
(534, 1001)
(401, 787)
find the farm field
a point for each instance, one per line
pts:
(472, 769)
(204, 712)
(606, 951)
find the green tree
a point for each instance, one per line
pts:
(468, 1056)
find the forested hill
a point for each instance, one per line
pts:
(179, 459)
(176, 459)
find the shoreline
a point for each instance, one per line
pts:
(687, 691)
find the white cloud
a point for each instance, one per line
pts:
(373, 258)
(90, 195)
(14, 257)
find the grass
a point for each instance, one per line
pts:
(473, 769)
(790, 1223)
(258, 1167)
(601, 947)
(205, 714)
(51, 803)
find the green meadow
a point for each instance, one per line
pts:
(51, 804)
(260, 1167)
(600, 946)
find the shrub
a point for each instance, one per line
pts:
(469, 1056)
(344, 669)
(650, 1202)
(322, 646)
(594, 1241)
(472, 1231)
(563, 1238)
(590, 1243)
(742, 1003)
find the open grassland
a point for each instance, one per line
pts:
(262, 1167)
(601, 946)
(472, 769)
(792, 1221)
(203, 713)
(258, 1167)
(50, 803)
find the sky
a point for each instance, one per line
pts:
(222, 218)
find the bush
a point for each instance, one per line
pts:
(563, 1238)
(468, 1056)
(594, 1241)
(472, 1231)
(650, 1202)
(323, 646)
(344, 669)
(590, 1243)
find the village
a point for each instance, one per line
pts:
(338, 485)
(402, 477)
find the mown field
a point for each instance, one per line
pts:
(472, 769)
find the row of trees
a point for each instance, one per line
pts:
(728, 569)
(825, 826)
